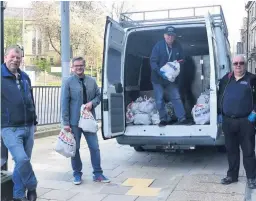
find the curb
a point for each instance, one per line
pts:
(47, 133)
(52, 132)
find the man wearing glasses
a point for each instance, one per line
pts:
(81, 89)
(237, 104)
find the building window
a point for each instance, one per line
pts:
(51, 61)
(34, 46)
(39, 46)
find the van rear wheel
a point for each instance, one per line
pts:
(139, 148)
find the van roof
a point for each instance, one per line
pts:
(174, 16)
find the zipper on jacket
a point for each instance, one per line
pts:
(8, 115)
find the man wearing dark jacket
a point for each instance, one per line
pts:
(237, 105)
(18, 123)
(164, 51)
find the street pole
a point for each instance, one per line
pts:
(4, 150)
(65, 40)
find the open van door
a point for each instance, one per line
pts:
(113, 107)
(213, 85)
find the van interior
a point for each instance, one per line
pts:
(138, 71)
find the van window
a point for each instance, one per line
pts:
(114, 66)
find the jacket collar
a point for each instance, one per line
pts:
(6, 73)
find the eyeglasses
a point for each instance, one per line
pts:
(78, 66)
(240, 63)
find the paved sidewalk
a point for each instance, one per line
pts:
(144, 176)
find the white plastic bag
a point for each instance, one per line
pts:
(155, 118)
(147, 106)
(135, 105)
(87, 122)
(201, 113)
(129, 117)
(66, 144)
(142, 119)
(171, 70)
(204, 98)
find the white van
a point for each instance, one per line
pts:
(203, 34)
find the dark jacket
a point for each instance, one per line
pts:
(159, 57)
(251, 79)
(17, 106)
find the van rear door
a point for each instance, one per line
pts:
(113, 108)
(213, 131)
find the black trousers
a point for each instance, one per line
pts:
(240, 132)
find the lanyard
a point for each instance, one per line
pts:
(168, 52)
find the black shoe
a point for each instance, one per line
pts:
(162, 123)
(184, 122)
(251, 183)
(31, 195)
(20, 199)
(228, 180)
(171, 122)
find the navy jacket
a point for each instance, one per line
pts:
(159, 57)
(246, 91)
(17, 106)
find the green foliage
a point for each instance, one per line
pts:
(43, 64)
(12, 32)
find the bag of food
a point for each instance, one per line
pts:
(201, 113)
(87, 122)
(66, 144)
(171, 70)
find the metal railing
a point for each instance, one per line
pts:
(48, 105)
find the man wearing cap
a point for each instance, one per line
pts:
(164, 51)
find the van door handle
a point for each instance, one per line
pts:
(119, 88)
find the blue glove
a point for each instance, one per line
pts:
(219, 118)
(252, 117)
(163, 75)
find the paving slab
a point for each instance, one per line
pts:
(177, 176)
(59, 195)
(120, 197)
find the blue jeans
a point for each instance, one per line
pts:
(173, 95)
(92, 141)
(19, 141)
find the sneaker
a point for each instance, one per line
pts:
(162, 123)
(101, 178)
(77, 180)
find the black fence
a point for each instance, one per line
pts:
(47, 103)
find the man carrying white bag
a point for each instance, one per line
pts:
(81, 94)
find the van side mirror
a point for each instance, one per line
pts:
(118, 88)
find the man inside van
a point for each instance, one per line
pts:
(81, 89)
(237, 104)
(164, 51)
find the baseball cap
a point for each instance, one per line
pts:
(170, 31)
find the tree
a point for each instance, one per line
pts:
(12, 32)
(43, 65)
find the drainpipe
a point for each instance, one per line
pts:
(247, 36)
(4, 150)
